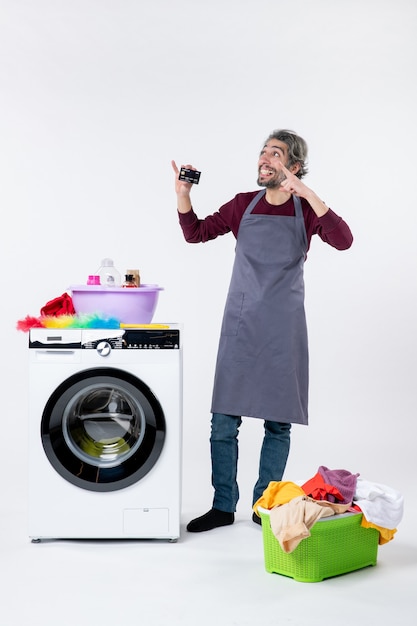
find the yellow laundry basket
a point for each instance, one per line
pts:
(337, 545)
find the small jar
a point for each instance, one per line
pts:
(136, 276)
(129, 281)
(93, 279)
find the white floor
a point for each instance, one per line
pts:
(214, 578)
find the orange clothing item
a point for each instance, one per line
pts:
(385, 534)
(278, 492)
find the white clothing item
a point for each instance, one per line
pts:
(381, 505)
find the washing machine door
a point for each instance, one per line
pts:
(103, 429)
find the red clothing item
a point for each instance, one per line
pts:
(317, 489)
(331, 228)
(59, 306)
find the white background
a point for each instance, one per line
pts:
(97, 97)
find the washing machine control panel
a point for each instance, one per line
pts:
(136, 339)
(105, 340)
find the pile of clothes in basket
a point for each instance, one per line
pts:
(294, 508)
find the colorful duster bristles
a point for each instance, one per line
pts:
(67, 321)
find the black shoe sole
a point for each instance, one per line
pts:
(256, 519)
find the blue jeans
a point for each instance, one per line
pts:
(224, 456)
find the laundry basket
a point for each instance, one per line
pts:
(337, 545)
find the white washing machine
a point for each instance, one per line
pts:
(105, 432)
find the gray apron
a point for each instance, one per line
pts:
(262, 360)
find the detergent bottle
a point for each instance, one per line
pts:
(109, 275)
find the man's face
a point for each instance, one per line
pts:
(269, 173)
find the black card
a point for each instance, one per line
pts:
(190, 176)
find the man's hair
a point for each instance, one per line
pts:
(297, 149)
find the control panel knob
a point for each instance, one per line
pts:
(103, 348)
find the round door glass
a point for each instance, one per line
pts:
(103, 429)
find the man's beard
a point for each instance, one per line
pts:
(274, 182)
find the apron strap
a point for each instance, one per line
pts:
(254, 201)
(299, 215)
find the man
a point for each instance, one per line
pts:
(262, 361)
